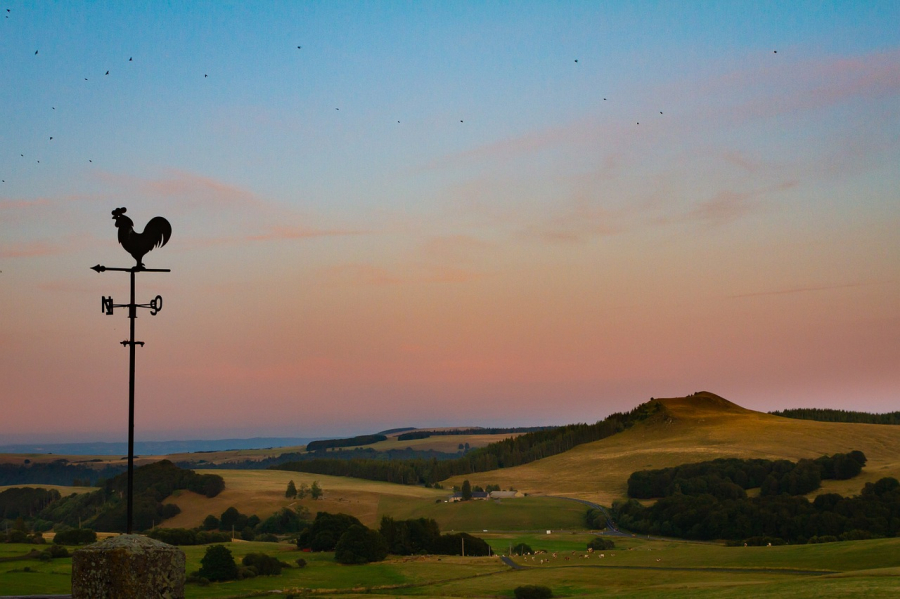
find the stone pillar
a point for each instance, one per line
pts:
(128, 566)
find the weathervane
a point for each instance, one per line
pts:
(156, 234)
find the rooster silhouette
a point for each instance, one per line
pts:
(156, 234)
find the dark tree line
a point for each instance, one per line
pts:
(728, 478)
(25, 502)
(423, 535)
(472, 431)
(349, 442)
(828, 415)
(365, 453)
(502, 454)
(776, 518)
(105, 509)
(57, 472)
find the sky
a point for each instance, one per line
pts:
(445, 213)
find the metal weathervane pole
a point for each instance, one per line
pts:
(156, 234)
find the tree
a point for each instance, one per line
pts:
(466, 490)
(218, 564)
(210, 523)
(601, 544)
(75, 536)
(229, 518)
(265, 565)
(360, 545)
(315, 491)
(325, 531)
(303, 491)
(291, 490)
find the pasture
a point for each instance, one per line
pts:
(635, 568)
(261, 492)
(694, 429)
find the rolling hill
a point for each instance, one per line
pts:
(699, 427)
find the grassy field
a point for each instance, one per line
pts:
(261, 492)
(698, 428)
(635, 568)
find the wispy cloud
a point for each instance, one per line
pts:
(30, 249)
(454, 248)
(371, 275)
(184, 186)
(794, 290)
(282, 232)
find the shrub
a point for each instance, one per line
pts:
(601, 544)
(210, 523)
(857, 535)
(174, 536)
(452, 544)
(822, 539)
(16, 536)
(522, 549)
(360, 545)
(763, 541)
(325, 531)
(75, 536)
(533, 591)
(205, 537)
(264, 565)
(267, 538)
(301, 563)
(218, 564)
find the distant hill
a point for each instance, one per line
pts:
(155, 447)
(696, 428)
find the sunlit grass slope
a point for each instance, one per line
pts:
(261, 492)
(692, 429)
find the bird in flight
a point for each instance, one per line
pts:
(576, 60)
(35, 52)
(129, 58)
(107, 72)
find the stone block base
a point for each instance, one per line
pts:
(129, 566)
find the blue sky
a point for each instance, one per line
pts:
(724, 219)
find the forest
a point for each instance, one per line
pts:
(829, 415)
(502, 454)
(707, 501)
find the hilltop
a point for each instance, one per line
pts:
(702, 426)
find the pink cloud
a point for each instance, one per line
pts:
(789, 87)
(185, 186)
(454, 248)
(371, 275)
(30, 249)
(800, 290)
(24, 204)
(281, 232)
